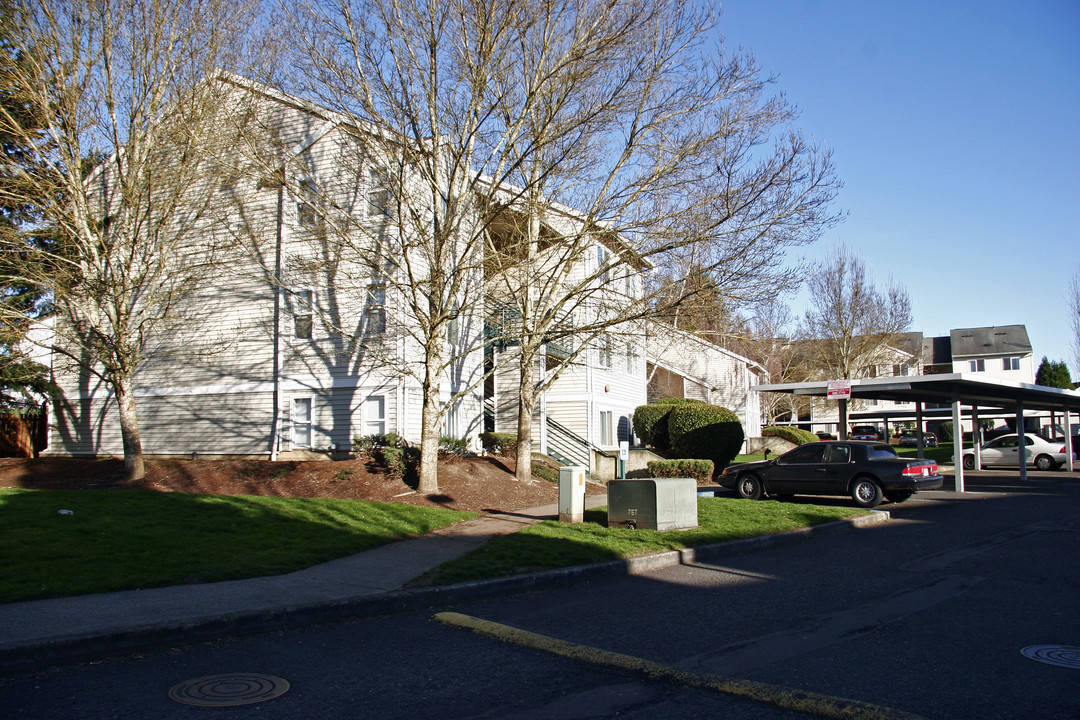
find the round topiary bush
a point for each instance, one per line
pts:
(650, 425)
(791, 434)
(705, 431)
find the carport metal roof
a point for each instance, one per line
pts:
(956, 389)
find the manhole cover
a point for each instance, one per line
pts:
(1060, 655)
(228, 690)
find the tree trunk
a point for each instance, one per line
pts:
(430, 422)
(526, 402)
(134, 468)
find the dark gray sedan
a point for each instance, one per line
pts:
(868, 472)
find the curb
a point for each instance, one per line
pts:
(79, 648)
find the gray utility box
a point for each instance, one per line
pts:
(653, 503)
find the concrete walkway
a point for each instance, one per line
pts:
(40, 632)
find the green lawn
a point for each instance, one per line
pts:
(127, 539)
(942, 453)
(550, 544)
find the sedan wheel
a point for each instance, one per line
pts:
(969, 462)
(866, 493)
(749, 487)
(1045, 462)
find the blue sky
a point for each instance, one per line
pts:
(955, 127)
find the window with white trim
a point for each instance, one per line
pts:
(303, 313)
(605, 429)
(631, 359)
(603, 351)
(378, 193)
(375, 415)
(1010, 363)
(375, 309)
(977, 365)
(601, 261)
(300, 418)
(307, 208)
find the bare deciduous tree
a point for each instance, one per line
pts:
(850, 324)
(529, 133)
(669, 151)
(1074, 318)
(132, 133)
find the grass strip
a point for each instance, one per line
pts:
(551, 544)
(129, 539)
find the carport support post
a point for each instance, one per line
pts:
(919, 440)
(1068, 439)
(842, 402)
(958, 444)
(1021, 440)
(976, 435)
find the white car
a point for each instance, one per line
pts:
(1042, 454)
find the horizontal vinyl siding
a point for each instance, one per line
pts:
(234, 423)
(572, 415)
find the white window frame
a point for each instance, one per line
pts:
(1010, 363)
(374, 423)
(378, 192)
(375, 309)
(631, 358)
(300, 303)
(978, 365)
(307, 207)
(604, 352)
(605, 430)
(602, 255)
(294, 424)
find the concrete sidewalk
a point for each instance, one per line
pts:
(40, 632)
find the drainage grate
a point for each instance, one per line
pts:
(228, 690)
(1061, 655)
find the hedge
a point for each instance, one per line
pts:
(504, 444)
(705, 431)
(700, 470)
(791, 434)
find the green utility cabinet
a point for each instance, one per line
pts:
(653, 503)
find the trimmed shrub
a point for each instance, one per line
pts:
(791, 434)
(705, 431)
(945, 432)
(700, 470)
(504, 444)
(651, 421)
(650, 425)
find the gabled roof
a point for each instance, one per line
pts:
(674, 335)
(990, 341)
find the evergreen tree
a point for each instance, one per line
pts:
(21, 223)
(1053, 374)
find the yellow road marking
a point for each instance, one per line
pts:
(824, 706)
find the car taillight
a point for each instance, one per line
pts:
(919, 470)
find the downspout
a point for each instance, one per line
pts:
(276, 417)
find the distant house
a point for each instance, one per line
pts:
(903, 357)
(681, 364)
(1002, 351)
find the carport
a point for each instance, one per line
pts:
(966, 393)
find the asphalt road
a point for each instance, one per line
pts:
(926, 615)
